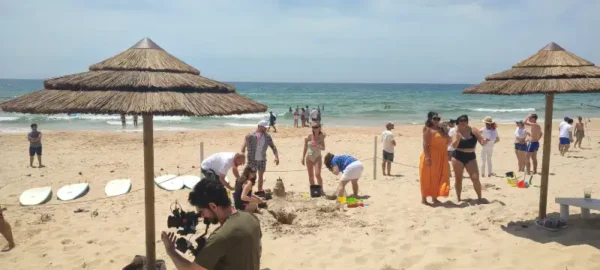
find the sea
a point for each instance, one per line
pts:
(343, 104)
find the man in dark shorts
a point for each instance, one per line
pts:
(235, 245)
(388, 142)
(35, 145)
(272, 120)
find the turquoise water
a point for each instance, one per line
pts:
(346, 104)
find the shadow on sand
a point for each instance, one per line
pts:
(465, 203)
(579, 232)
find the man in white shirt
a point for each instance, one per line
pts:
(387, 139)
(217, 166)
(566, 136)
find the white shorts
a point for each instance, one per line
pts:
(353, 171)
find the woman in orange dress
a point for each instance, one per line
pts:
(434, 171)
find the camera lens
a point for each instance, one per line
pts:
(173, 222)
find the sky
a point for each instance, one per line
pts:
(377, 41)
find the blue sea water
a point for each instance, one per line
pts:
(346, 104)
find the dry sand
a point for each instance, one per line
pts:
(394, 232)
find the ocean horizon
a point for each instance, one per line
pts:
(345, 104)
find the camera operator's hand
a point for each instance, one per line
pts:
(169, 240)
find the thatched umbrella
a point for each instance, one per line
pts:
(552, 70)
(146, 80)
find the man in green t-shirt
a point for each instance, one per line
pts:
(235, 245)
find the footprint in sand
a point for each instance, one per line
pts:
(66, 242)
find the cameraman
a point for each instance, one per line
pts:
(235, 245)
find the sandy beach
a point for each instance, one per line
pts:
(394, 232)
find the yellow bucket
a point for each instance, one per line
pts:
(342, 199)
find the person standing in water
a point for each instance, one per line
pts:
(135, 120)
(579, 132)
(303, 117)
(311, 155)
(296, 114)
(272, 119)
(123, 123)
(387, 139)
(35, 145)
(533, 142)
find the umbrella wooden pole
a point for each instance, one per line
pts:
(149, 191)
(546, 154)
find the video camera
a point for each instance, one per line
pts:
(188, 222)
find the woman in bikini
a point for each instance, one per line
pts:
(434, 171)
(296, 118)
(243, 197)
(464, 157)
(311, 155)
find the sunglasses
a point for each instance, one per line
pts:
(436, 118)
(316, 127)
(462, 120)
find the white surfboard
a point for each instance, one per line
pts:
(169, 182)
(72, 191)
(117, 187)
(189, 181)
(36, 196)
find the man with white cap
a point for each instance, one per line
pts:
(387, 139)
(257, 143)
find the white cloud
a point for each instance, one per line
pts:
(353, 40)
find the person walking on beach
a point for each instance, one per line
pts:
(464, 141)
(489, 133)
(565, 137)
(579, 132)
(319, 115)
(351, 169)
(303, 117)
(434, 171)
(388, 142)
(521, 145)
(6, 231)
(257, 143)
(35, 145)
(243, 197)
(217, 166)
(296, 118)
(533, 142)
(311, 155)
(272, 119)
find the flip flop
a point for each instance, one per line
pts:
(80, 210)
(542, 223)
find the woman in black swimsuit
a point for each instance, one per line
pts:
(464, 141)
(242, 197)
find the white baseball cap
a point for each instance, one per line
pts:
(263, 123)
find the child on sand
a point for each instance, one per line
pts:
(242, 197)
(351, 169)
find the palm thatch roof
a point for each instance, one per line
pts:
(551, 70)
(143, 79)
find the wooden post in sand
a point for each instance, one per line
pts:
(201, 152)
(149, 190)
(546, 154)
(375, 158)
